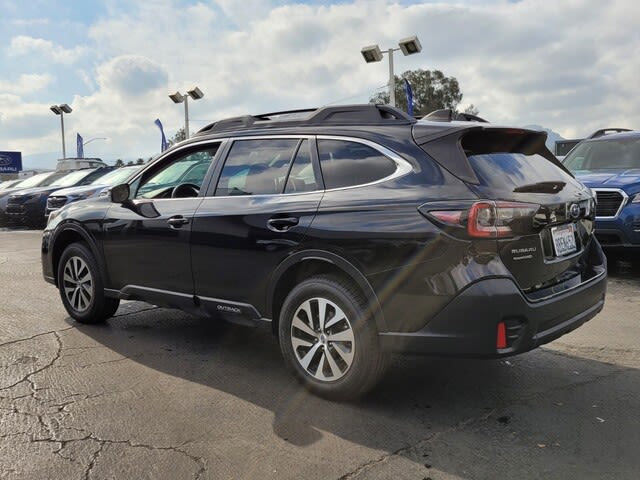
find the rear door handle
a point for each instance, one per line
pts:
(177, 221)
(281, 224)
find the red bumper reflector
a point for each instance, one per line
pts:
(501, 340)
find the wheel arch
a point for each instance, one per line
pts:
(303, 265)
(72, 233)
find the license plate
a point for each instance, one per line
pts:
(564, 240)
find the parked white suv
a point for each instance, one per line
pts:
(70, 164)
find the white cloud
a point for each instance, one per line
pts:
(570, 66)
(30, 22)
(25, 45)
(131, 75)
(26, 83)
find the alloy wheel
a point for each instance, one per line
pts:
(322, 339)
(78, 284)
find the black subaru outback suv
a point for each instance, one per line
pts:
(355, 230)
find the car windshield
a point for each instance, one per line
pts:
(9, 184)
(614, 153)
(35, 180)
(72, 178)
(116, 177)
(172, 173)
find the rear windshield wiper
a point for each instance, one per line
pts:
(541, 187)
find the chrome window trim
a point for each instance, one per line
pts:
(625, 199)
(171, 151)
(403, 167)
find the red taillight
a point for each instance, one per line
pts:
(501, 339)
(453, 217)
(487, 219)
(482, 220)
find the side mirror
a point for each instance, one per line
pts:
(120, 193)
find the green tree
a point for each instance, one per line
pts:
(432, 90)
(178, 137)
(119, 163)
(140, 161)
(472, 110)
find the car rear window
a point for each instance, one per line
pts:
(618, 153)
(511, 159)
(509, 171)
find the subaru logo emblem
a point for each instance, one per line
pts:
(574, 210)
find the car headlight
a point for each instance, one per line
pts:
(53, 215)
(635, 198)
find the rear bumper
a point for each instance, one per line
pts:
(468, 325)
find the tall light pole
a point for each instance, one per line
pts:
(61, 110)
(89, 141)
(93, 140)
(178, 97)
(372, 53)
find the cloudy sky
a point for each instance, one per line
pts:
(569, 65)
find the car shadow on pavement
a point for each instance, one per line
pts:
(623, 266)
(541, 406)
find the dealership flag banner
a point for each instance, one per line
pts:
(409, 92)
(164, 145)
(80, 145)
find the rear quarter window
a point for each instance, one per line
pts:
(344, 163)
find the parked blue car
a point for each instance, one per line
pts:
(610, 166)
(60, 198)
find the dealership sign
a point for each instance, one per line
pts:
(10, 162)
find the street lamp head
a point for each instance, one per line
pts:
(371, 53)
(60, 109)
(196, 93)
(177, 97)
(410, 45)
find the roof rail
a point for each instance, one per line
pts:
(449, 115)
(364, 114)
(607, 131)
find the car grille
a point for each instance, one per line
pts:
(56, 202)
(15, 201)
(13, 209)
(609, 202)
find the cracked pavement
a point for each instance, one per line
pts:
(155, 393)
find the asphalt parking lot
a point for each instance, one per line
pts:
(155, 393)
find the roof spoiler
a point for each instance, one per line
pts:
(449, 115)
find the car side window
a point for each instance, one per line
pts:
(302, 178)
(346, 163)
(256, 167)
(187, 168)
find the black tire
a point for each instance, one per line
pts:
(81, 288)
(343, 360)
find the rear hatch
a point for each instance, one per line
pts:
(539, 216)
